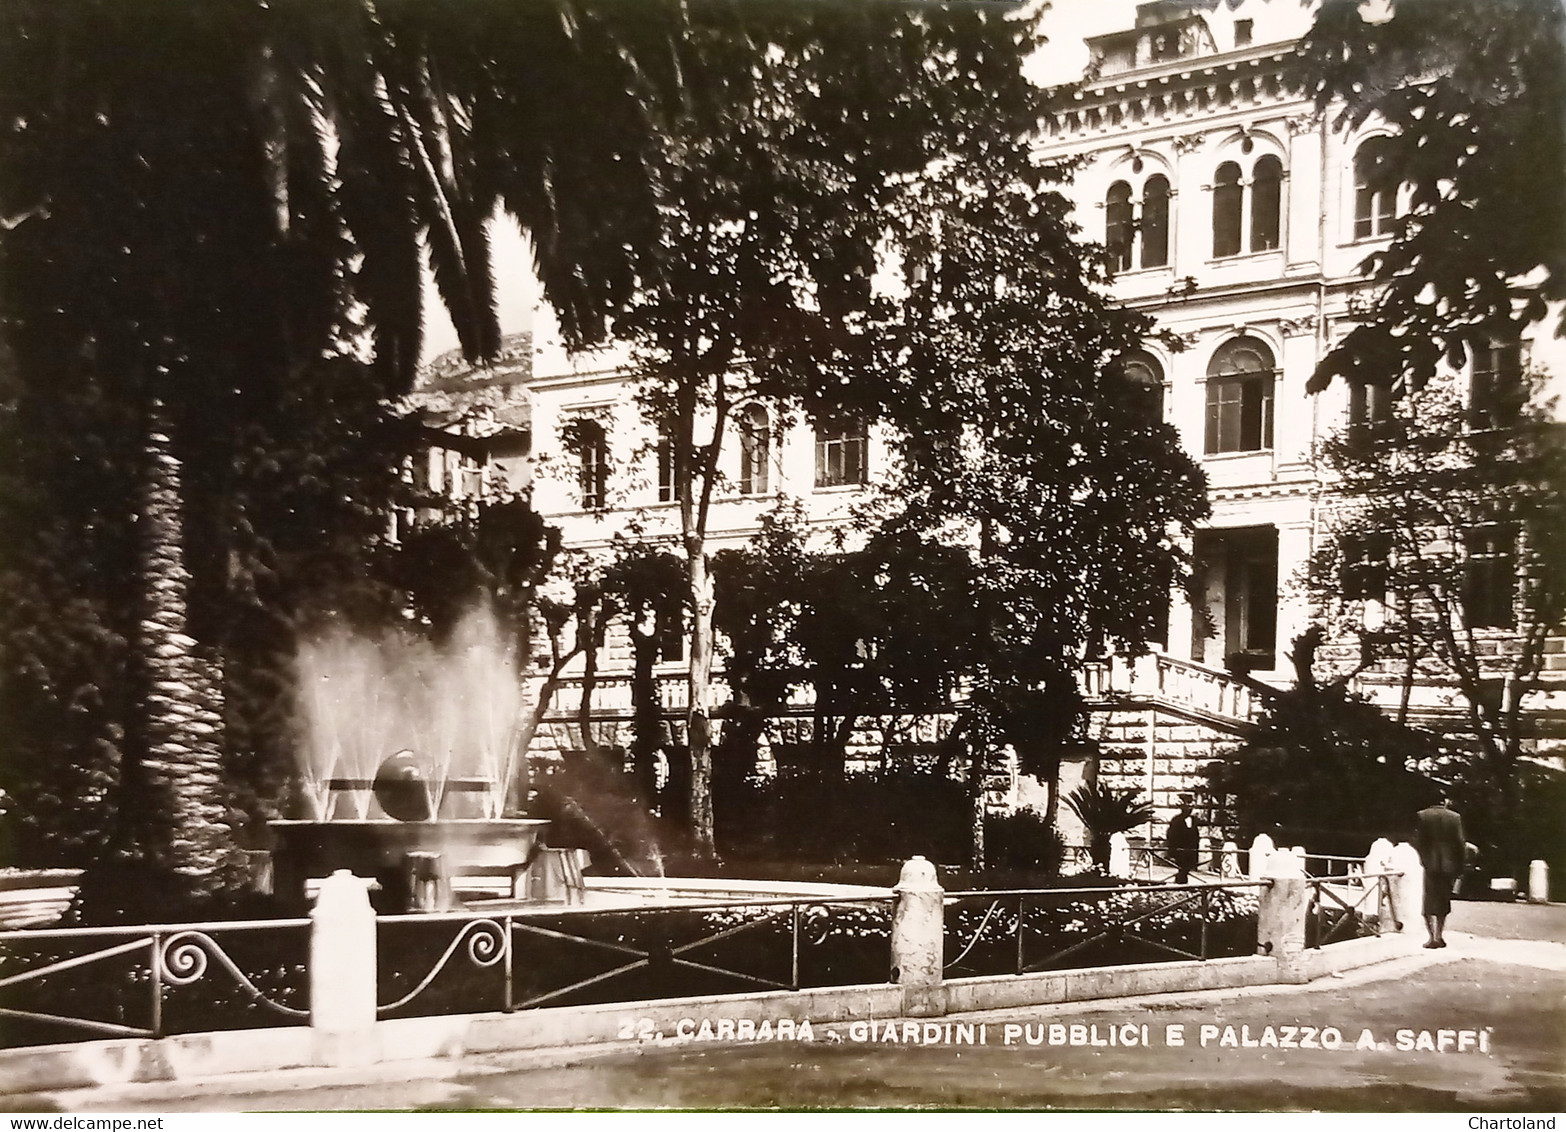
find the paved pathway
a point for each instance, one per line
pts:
(1500, 986)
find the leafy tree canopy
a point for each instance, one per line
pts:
(1475, 92)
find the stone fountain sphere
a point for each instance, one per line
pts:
(400, 788)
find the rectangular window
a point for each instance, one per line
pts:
(1490, 577)
(1369, 404)
(1239, 414)
(1496, 394)
(665, 469)
(1367, 565)
(841, 454)
(671, 640)
(592, 478)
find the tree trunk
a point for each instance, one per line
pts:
(181, 818)
(588, 627)
(699, 723)
(982, 734)
(646, 714)
(976, 773)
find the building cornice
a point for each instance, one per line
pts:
(1185, 90)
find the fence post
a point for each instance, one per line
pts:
(1280, 918)
(918, 939)
(343, 970)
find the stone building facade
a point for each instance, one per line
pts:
(1240, 218)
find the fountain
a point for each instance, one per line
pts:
(407, 762)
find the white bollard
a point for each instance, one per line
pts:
(1231, 861)
(1119, 855)
(1261, 849)
(1538, 882)
(1378, 856)
(918, 939)
(1408, 890)
(342, 970)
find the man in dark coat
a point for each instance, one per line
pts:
(1438, 835)
(1183, 841)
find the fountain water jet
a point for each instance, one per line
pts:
(396, 728)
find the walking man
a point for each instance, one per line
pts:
(1438, 835)
(1183, 841)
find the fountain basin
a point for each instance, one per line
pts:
(307, 850)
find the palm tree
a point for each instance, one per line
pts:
(1104, 812)
(181, 811)
(202, 206)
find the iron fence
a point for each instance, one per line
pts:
(152, 980)
(1338, 910)
(521, 960)
(157, 980)
(1022, 931)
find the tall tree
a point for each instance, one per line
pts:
(796, 128)
(1445, 553)
(1021, 439)
(1475, 91)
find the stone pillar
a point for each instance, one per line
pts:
(918, 939)
(1408, 890)
(1538, 882)
(1261, 851)
(1280, 918)
(342, 970)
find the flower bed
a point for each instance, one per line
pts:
(1071, 929)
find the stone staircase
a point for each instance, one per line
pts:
(1158, 721)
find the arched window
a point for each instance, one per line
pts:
(1147, 376)
(593, 467)
(1266, 203)
(1117, 225)
(1228, 197)
(1155, 221)
(841, 453)
(1375, 189)
(1239, 397)
(755, 438)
